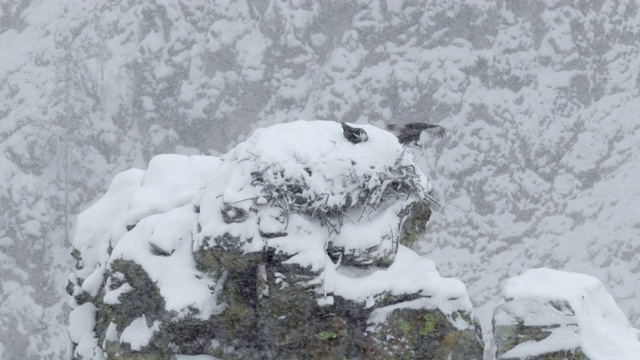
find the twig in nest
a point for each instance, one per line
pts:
(235, 202)
(348, 218)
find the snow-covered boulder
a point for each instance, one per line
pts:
(290, 246)
(551, 314)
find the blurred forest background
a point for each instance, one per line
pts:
(540, 168)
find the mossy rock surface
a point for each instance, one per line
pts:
(414, 221)
(272, 311)
(421, 334)
(511, 330)
(509, 336)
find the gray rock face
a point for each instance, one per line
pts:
(291, 250)
(515, 331)
(556, 315)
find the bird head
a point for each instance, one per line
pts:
(361, 135)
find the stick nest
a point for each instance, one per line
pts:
(329, 200)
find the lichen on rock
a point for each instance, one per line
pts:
(412, 330)
(292, 245)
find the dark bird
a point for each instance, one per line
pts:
(353, 134)
(411, 132)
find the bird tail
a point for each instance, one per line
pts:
(433, 203)
(438, 131)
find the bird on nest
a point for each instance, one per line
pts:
(410, 133)
(354, 134)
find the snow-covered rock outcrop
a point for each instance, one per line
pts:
(289, 246)
(551, 314)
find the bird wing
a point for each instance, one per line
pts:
(408, 135)
(435, 130)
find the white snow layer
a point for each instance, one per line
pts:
(138, 333)
(82, 322)
(161, 202)
(585, 314)
(158, 202)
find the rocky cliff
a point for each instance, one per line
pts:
(294, 245)
(547, 314)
